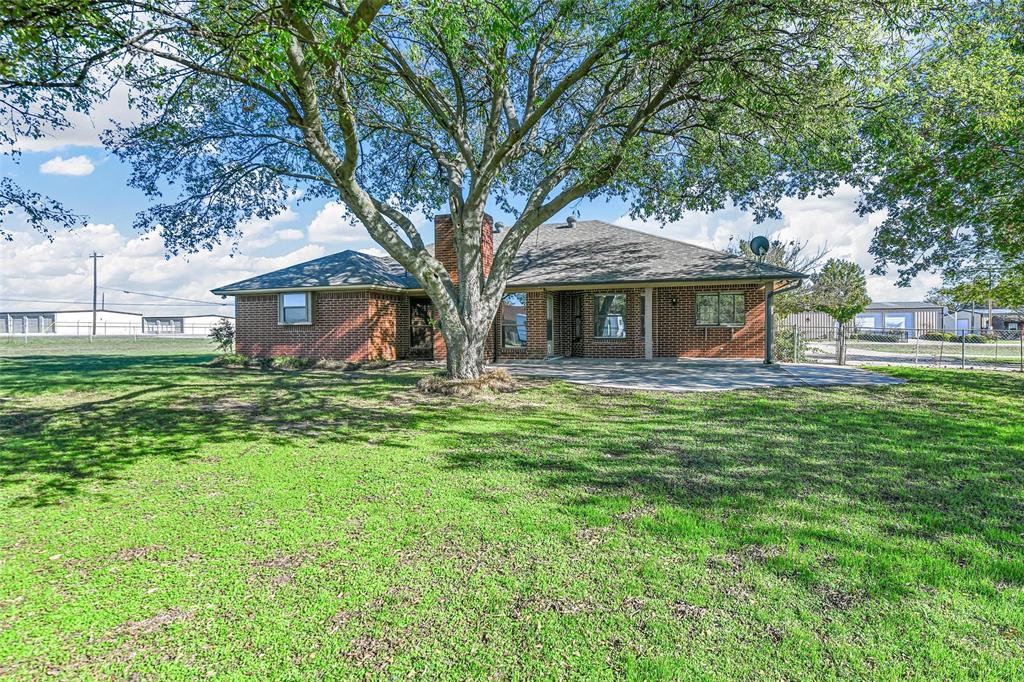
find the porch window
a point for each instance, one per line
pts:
(610, 316)
(513, 321)
(721, 310)
(294, 309)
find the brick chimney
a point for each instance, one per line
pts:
(444, 244)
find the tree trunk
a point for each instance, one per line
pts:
(465, 358)
(841, 344)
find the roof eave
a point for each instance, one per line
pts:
(286, 290)
(689, 281)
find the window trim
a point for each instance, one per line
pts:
(309, 309)
(719, 294)
(625, 312)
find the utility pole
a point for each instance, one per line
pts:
(94, 257)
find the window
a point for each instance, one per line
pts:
(295, 309)
(513, 321)
(867, 321)
(610, 316)
(898, 321)
(721, 310)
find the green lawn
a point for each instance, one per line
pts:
(171, 520)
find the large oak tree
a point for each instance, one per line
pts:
(469, 104)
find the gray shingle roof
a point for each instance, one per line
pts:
(592, 252)
(596, 252)
(345, 268)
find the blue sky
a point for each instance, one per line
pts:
(72, 167)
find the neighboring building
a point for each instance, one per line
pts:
(912, 317)
(70, 322)
(977, 319)
(108, 323)
(191, 325)
(577, 289)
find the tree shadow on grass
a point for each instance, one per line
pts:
(169, 409)
(936, 459)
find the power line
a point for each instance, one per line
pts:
(170, 298)
(122, 303)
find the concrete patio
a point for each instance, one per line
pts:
(694, 375)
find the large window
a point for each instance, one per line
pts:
(295, 309)
(721, 310)
(610, 316)
(513, 321)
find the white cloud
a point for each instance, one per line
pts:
(75, 165)
(830, 221)
(291, 234)
(334, 227)
(333, 224)
(84, 128)
(33, 268)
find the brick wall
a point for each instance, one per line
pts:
(536, 331)
(676, 333)
(352, 326)
(444, 244)
(403, 322)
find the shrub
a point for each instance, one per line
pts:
(290, 362)
(974, 338)
(230, 360)
(783, 345)
(346, 366)
(879, 336)
(494, 381)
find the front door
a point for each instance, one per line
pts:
(576, 313)
(421, 333)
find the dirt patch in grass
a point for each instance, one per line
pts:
(645, 511)
(684, 611)
(523, 606)
(156, 622)
(148, 553)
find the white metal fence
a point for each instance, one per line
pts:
(964, 348)
(84, 328)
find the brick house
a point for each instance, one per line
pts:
(582, 288)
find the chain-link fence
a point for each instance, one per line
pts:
(964, 348)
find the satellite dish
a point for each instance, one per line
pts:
(759, 246)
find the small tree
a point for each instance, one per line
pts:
(223, 335)
(840, 290)
(792, 255)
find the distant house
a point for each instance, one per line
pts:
(108, 323)
(582, 288)
(913, 317)
(1003, 319)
